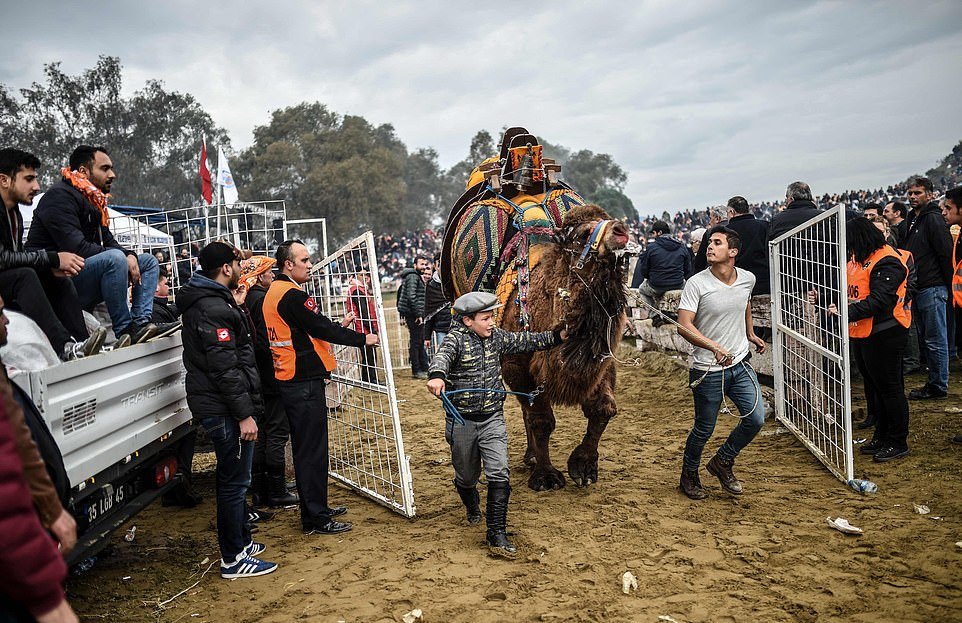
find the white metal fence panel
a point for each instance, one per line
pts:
(399, 338)
(811, 355)
(367, 447)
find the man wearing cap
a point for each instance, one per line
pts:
(268, 474)
(299, 335)
(224, 393)
(469, 359)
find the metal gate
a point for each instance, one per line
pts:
(366, 445)
(811, 355)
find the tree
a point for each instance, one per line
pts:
(356, 175)
(153, 137)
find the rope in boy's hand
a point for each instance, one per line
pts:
(451, 410)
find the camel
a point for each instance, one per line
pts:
(521, 232)
(590, 302)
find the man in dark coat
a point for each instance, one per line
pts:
(799, 207)
(930, 243)
(37, 283)
(753, 254)
(716, 217)
(224, 393)
(437, 312)
(410, 305)
(72, 216)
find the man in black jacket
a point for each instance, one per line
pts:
(299, 334)
(37, 283)
(224, 393)
(410, 305)
(437, 312)
(72, 216)
(753, 254)
(799, 208)
(930, 243)
(664, 266)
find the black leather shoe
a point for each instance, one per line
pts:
(336, 511)
(871, 447)
(868, 422)
(331, 527)
(889, 453)
(927, 393)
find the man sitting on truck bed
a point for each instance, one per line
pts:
(37, 283)
(72, 216)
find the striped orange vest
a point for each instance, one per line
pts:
(280, 339)
(858, 290)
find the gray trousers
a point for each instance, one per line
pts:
(476, 443)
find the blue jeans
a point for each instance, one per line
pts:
(104, 279)
(234, 459)
(741, 386)
(928, 308)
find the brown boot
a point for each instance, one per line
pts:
(690, 485)
(722, 469)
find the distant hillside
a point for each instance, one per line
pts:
(948, 173)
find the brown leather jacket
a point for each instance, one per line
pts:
(42, 489)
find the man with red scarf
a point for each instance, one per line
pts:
(72, 216)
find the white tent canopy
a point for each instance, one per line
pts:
(129, 232)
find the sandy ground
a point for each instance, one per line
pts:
(765, 556)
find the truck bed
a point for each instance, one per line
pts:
(103, 409)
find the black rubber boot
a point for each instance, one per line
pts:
(497, 512)
(277, 494)
(472, 502)
(258, 485)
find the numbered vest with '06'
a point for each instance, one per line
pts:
(859, 276)
(281, 338)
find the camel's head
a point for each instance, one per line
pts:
(588, 231)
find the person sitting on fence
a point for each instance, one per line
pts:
(470, 359)
(72, 216)
(716, 317)
(878, 325)
(664, 266)
(37, 283)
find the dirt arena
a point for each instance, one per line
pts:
(765, 556)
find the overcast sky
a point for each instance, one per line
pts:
(698, 101)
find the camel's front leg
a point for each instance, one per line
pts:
(599, 409)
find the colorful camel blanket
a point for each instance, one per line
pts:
(492, 238)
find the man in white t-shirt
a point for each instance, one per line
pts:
(716, 317)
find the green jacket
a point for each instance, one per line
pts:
(410, 296)
(466, 361)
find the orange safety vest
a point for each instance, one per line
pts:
(957, 275)
(280, 338)
(858, 290)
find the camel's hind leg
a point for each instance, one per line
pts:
(598, 409)
(539, 424)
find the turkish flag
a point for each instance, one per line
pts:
(206, 187)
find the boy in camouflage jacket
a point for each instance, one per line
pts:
(470, 358)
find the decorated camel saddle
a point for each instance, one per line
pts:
(513, 203)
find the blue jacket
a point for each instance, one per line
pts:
(666, 263)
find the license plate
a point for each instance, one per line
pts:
(108, 499)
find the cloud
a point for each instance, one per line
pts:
(697, 101)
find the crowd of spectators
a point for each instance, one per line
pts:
(396, 252)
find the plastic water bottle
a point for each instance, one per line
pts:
(865, 487)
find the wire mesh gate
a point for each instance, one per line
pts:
(811, 355)
(366, 445)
